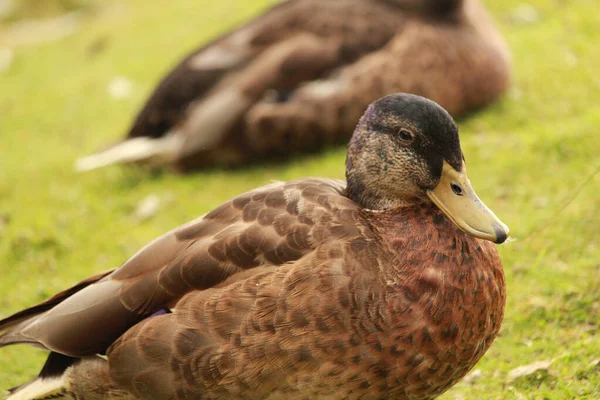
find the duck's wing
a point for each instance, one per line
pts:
(205, 97)
(303, 319)
(269, 226)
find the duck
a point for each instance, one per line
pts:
(387, 285)
(297, 78)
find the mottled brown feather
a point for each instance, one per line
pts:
(248, 338)
(197, 256)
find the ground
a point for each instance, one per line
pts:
(528, 156)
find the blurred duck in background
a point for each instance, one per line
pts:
(298, 77)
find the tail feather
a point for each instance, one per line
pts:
(51, 382)
(162, 149)
(40, 389)
(10, 326)
(64, 377)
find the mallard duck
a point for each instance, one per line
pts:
(383, 286)
(297, 79)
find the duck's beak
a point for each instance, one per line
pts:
(455, 196)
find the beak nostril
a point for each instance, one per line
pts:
(456, 189)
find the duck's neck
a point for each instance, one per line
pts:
(375, 195)
(370, 198)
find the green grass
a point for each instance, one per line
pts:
(527, 156)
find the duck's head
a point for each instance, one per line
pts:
(404, 151)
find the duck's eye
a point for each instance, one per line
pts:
(405, 135)
(456, 189)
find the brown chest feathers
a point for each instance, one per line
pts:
(445, 300)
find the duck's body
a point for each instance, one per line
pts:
(297, 79)
(373, 326)
(295, 290)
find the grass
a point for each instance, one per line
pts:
(528, 155)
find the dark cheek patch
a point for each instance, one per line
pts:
(433, 160)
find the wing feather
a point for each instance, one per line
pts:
(260, 229)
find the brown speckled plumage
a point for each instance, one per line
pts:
(290, 291)
(372, 327)
(298, 78)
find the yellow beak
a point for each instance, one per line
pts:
(455, 196)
